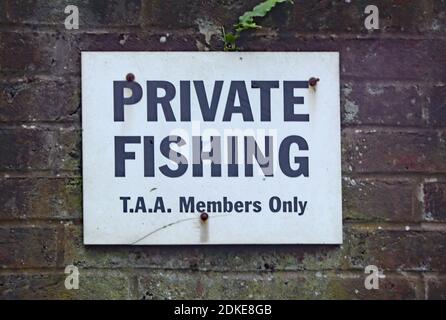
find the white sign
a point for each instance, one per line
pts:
(211, 148)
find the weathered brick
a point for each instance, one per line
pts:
(405, 250)
(393, 151)
(138, 41)
(280, 285)
(166, 257)
(91, 12)
(436, 287)
(374, 103)
(76, 253)
(437, 106)
(92, 285)
(304, 16)
(392, 287)
(37, 52)
(412, 16)
(435, 201)
(368, 199)
(40, 198)
(390, 77)
(28, 247)
(439, 18)
(32, 148)
(219, 258)
(3, 18)
(59, 53)
(40, 100)
(184, 14)
(366, 58)
(437, 49)
(359, 249)
(133, 41)
(321, 16)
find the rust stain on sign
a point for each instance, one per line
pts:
(204, 230)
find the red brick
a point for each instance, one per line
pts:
(393, 151)
(25, 247)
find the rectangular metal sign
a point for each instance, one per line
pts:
(211, 148)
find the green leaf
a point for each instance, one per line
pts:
(230, 38)
(245, 26)
(246, 21)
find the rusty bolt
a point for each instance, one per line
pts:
(204, 216)
(313, 81)
(130, 77)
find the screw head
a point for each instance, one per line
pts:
(204, 216)
(313, 81)
(130, 77)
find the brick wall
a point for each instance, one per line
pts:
(393, 100)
